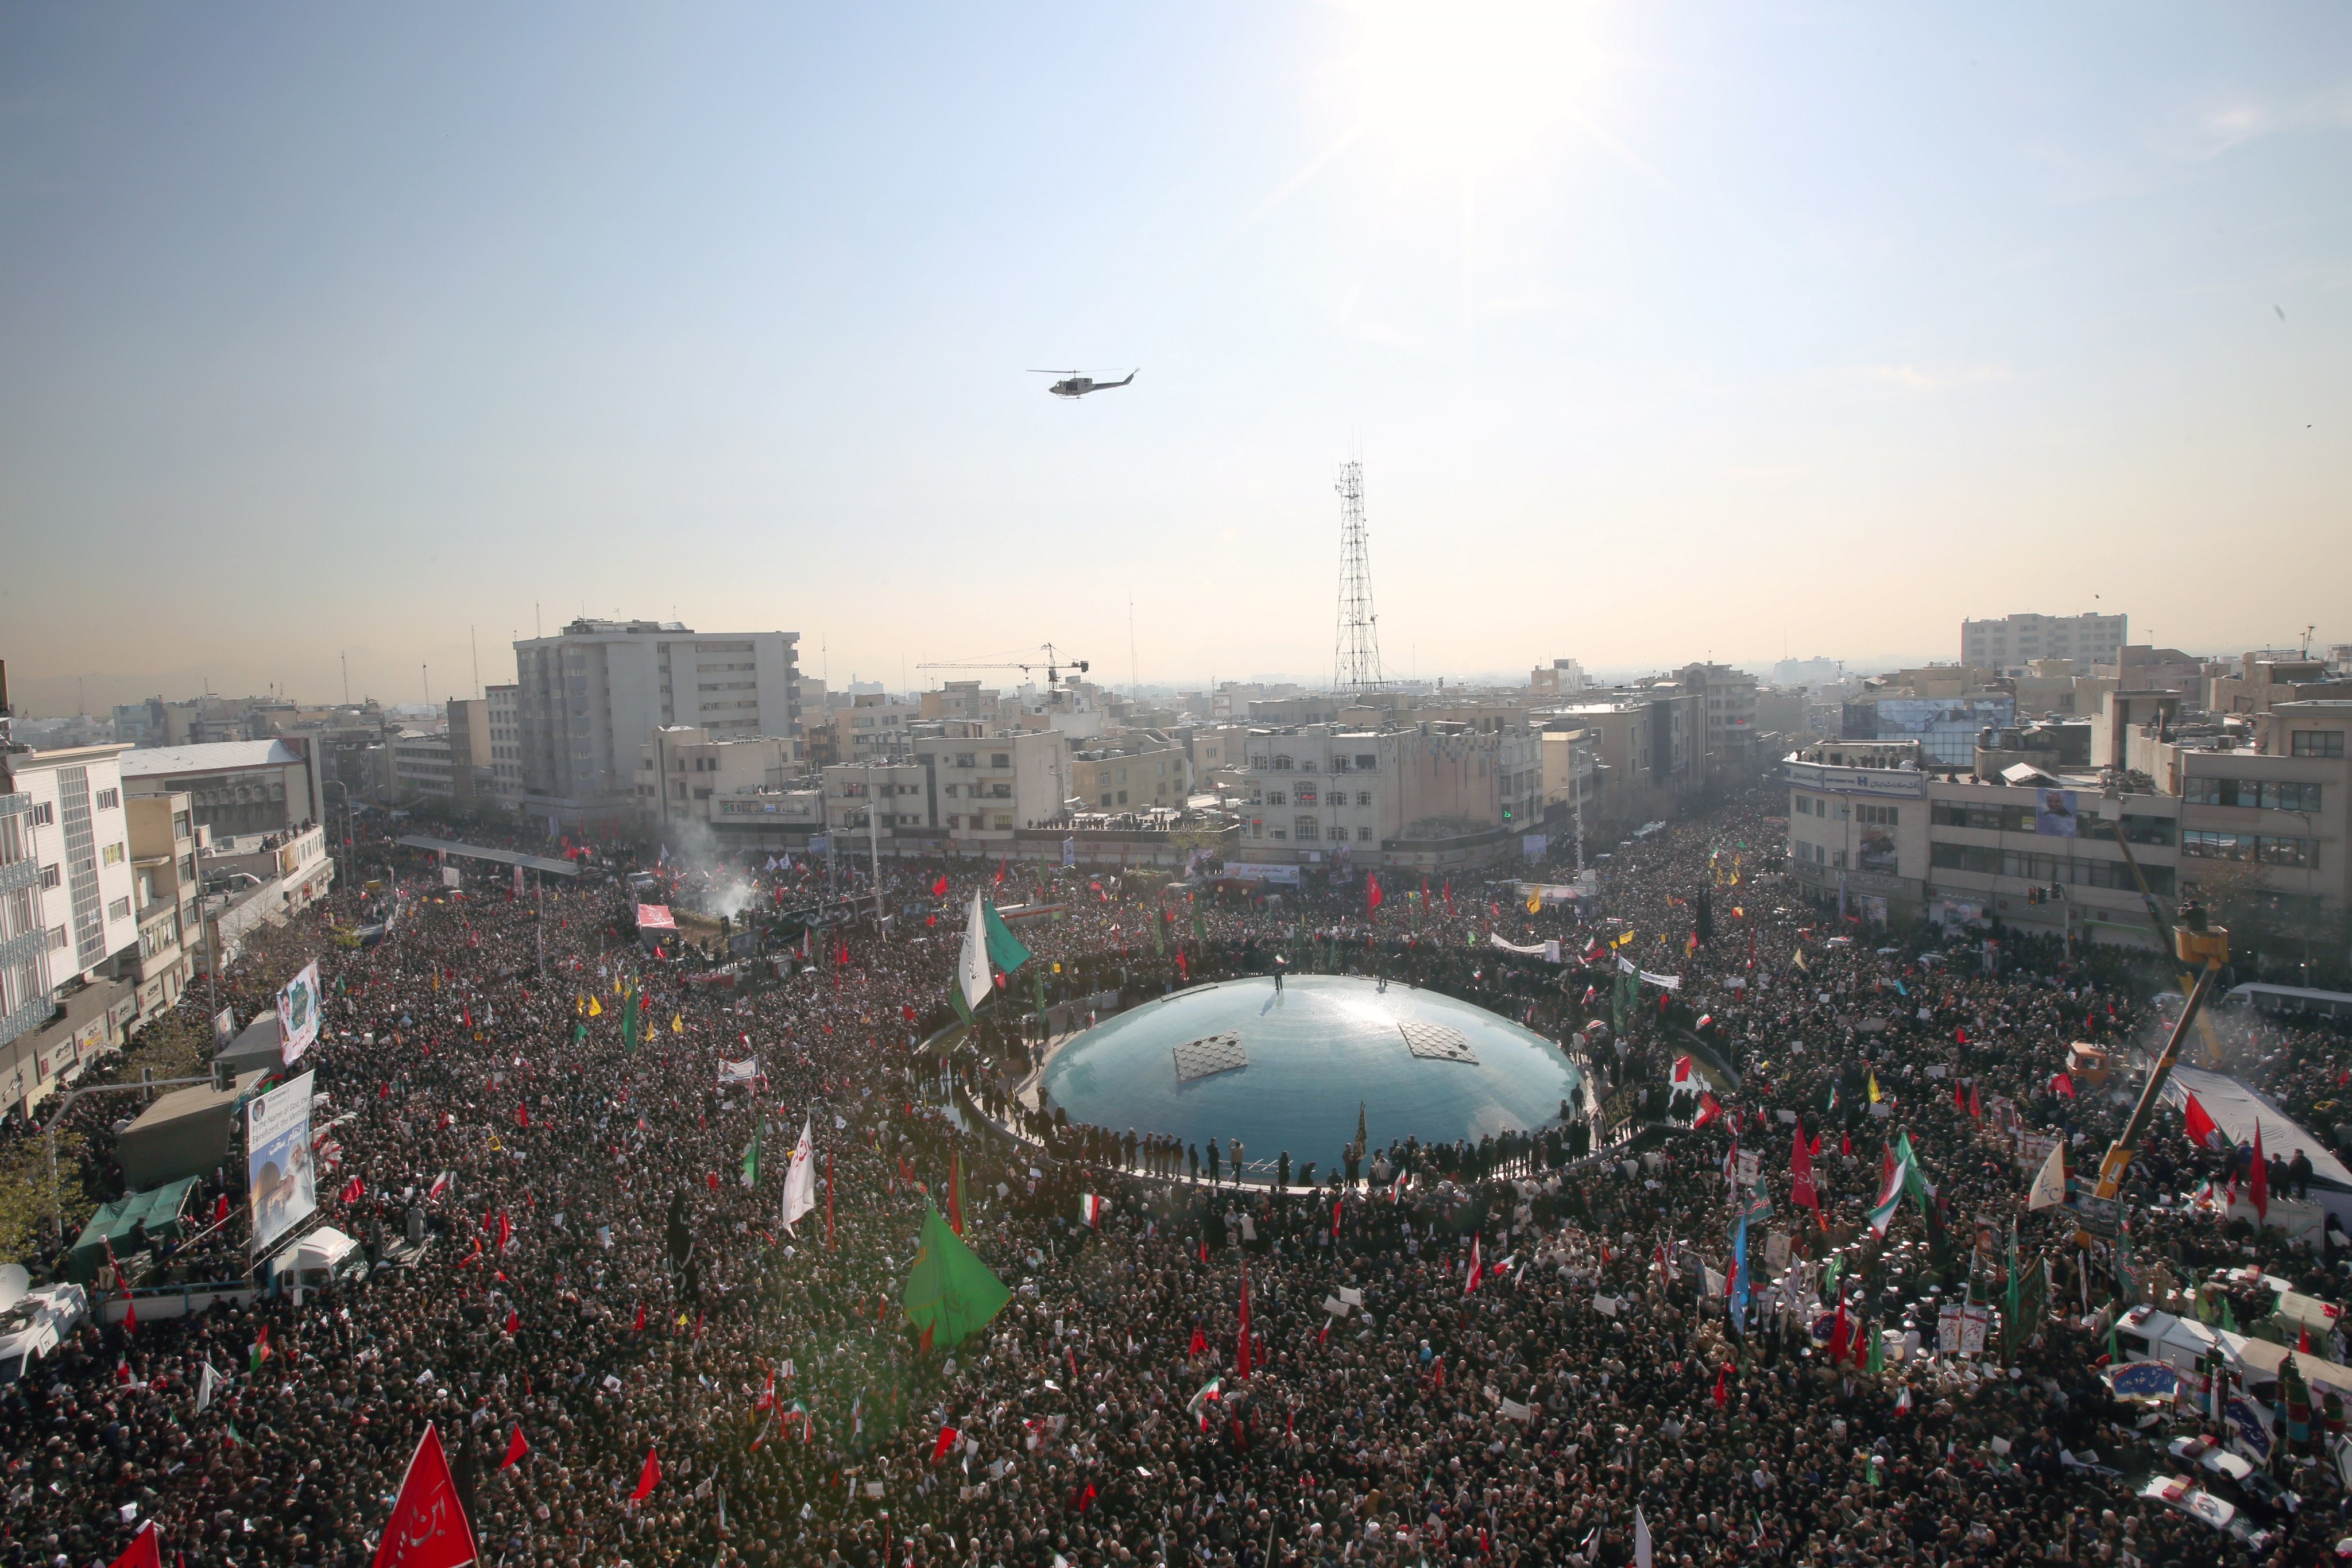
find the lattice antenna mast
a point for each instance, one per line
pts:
(1357, 655)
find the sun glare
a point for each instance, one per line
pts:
(1464, 84)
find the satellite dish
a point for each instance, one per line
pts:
(14, 1284)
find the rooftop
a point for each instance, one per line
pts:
(211, 757)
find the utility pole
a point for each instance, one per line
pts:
(473, 643)
(347, 677)
(874, 846)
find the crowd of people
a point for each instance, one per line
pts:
(1523, 1352)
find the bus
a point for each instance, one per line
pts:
(2291, 1000)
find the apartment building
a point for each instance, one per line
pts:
(1726, 698)
(503, 707)
(588, 697)
(1430, 794)
(163, 848)
(987, 783)
(684, 770)
(1562, 678)
(873, 726)
(1135, 774)
(964, 702)
(2014, 641)
(898, 792)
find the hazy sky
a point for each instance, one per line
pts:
(1659, 330)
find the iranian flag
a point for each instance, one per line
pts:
(1091, 1208)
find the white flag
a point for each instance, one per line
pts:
(800, 1179)
(2050, 1182)
(206, 1381)
(971, 967)
(1641, 1538)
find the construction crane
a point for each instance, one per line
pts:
(1052, 663)
(2201, 947)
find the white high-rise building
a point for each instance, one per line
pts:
(589, 696)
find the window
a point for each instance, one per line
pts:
(1306, 829)
(1363, 797)
(51, 876)
(2266, 794)
(2273, 850)
(57, 937)
(1277, 798)
(2203, 843)
(1282, 764)
(2316, 743)
(950, 792)
(113, 854)
(1000, 760)
(1306, 793)
(1367, 762)
(1106, 799)
(968, 759)
(118, 910)
(1338, 765)
(44, 813)
(1122, 794)
(109, 799)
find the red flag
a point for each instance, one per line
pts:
(1959, 1095)
(2261, 1196)
(1241, 1356)
(1371, 893)
(947, 1440)
(639, 1326)
(522, 1115)
(145, 1550)
(1200, 1344)
(1708, 1110)
(1800, 1173)
(1838, 1336)
(514, 1320)
(2202, 1129)
(516, 1448)
(1975, 1108)
(1335, 1221)
(940, 888)
(648, 1478)
(428, 1527)
(1722, 1395)
(999, 871)
(129, 1313)
(505, 1230)
(2303, 1339)
(2061, 1084)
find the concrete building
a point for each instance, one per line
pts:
(2014, 641)
(235, 786)
(504, 705)
(873, 727)
(1430, 795)
(71, 928)
(1648, 744)
(164, 845)
(1136, 772)
(682, 770)
(986, 784)
(1569, 772)
(2269, 676)
(1873, 833)
(1728, 699)
(964, 702)
(900, 793)
(256, 881)
(423, 769)
(588, 697)
(1563, 678)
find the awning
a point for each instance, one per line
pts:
(159, 1208)
(480, 853)
(2235, 1105)
(656, 918)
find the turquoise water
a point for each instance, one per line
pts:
(1315, 1050)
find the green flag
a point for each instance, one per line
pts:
(1004, 949)
(580, 1034)
(962, 1008)
(629, 1021)
(1877, 1353)
(751, 1158)
(1200, 931)
(949, 1294)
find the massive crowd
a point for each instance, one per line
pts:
(599, 1283)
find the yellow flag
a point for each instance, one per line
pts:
(1874, 1087)
(1535, 904)
(580, 1003)
(595, 1008)
(1800, 961)
(678, 1023)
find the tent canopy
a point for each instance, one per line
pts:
(160, 1209)
(184, 1134)
(2235, 1105)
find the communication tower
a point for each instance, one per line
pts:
(1357, 655)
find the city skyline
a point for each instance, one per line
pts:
(1657, 336)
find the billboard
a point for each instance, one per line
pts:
(1946, 728)
(297, 1013)
(279, 1184)
(2053, 813)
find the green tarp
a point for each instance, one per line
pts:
(161, 1209)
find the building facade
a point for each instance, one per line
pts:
(2014, 641)
(588, 697)
(987, 784)
(235, 786)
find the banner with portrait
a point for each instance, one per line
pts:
(298, 1014)
(279, 1183)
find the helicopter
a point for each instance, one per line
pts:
(1073, 384)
